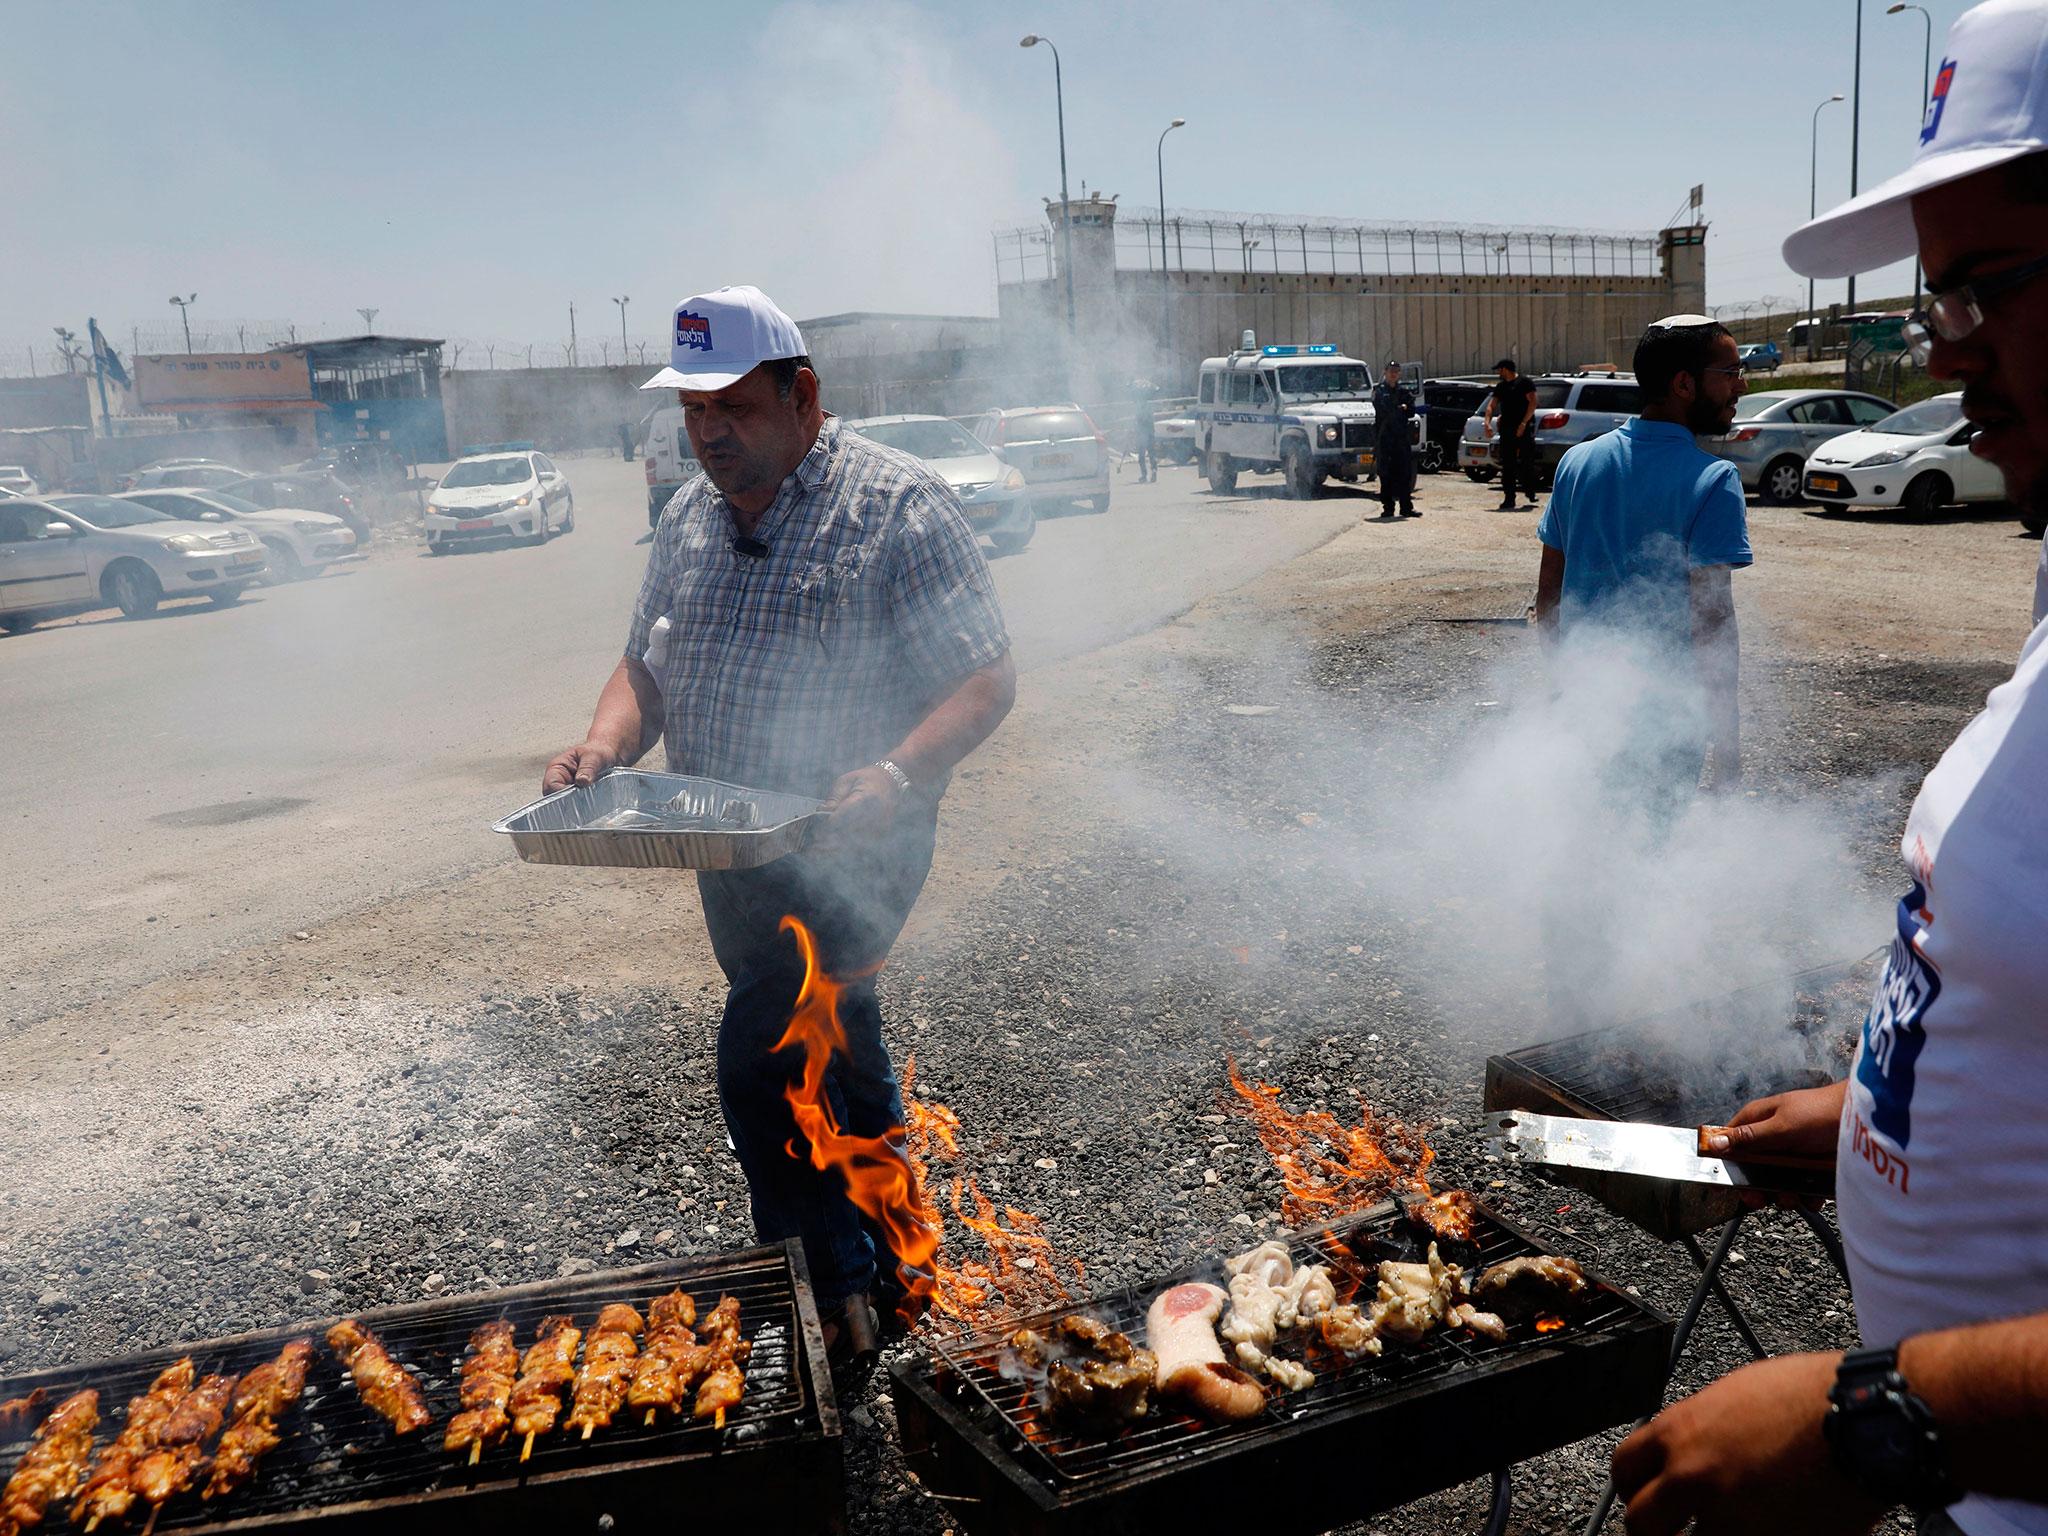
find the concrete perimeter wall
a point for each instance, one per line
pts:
(557, 408)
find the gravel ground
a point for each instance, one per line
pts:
(343, 1155)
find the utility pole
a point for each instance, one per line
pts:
(572, 333)
(185, 314)
(369, 320)
(624, 350)
(1855, 131)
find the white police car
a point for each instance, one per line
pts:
(1305, 411)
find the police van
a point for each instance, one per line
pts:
(1303, 410)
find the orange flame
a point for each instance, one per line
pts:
(880, 1178)
(1548, 1324)
(887, 1178)
(1331, 1169)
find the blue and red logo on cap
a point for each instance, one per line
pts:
(1937, 101)
(693, 331)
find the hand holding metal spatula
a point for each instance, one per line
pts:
(1648, 1151)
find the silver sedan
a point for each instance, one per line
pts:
(1774, 431)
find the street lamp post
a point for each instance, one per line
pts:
(184, 305)
(1812, 207)
(1926, 61)
(622, 303)
(1165, 292)
(1855, 128)
(1059, 96)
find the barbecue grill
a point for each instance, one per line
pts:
(1694, 1065)
(1367, 1436)
(776, 1464)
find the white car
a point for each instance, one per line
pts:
(1058, 449)
(300, 543)
(61, 552)
(17, 481)
(198, 474)
(1918, 459)
(992, 494)
(517, 495)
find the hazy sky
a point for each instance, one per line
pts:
(469, 168)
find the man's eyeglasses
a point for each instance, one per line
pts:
(1733, 370)
(1957, 313)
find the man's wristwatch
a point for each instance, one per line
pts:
(1884, 1438)
(896, 775)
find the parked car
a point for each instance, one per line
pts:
(1774, 432)
(1064, 458)
(992, 493)
(499, 496)
(67, 552)
(357, 464)
(671, 462)
(1447, 404)
(17, 481)
(1918, 458)
(206, 474)
(300, 543)
(1570, 409)
(314, 491)
(1173, 438)
(1759, 356)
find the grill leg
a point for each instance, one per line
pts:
(1728, 1304)
(1679, 1340)
(1503, 1499)
(1826, 1235)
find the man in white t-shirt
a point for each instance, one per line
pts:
(1940, 1133)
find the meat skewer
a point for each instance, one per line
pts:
(609, 1355)
(54, 1464)
(109, 1493)
(388, 1387)
(172, 1467)
(723, 1383)
(21, 1407)
(669, 1356)
(545, 1375)
(487, 1378)
(261, 1399)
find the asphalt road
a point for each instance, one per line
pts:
(178, 787)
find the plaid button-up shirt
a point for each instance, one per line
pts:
(786, 670)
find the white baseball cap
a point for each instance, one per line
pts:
(718, 338)
(1989, 104)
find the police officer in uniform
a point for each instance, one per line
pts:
(1393, 411)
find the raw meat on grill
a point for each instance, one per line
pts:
(388, 1387)
(1413, 1298)
(1545, 1283)
(545, 1375)
(53, 1465)
(488, 1375)
(1180, 1330)
(1269, 1297)
(110, 1492)
(608, 1358)
(261, 1398)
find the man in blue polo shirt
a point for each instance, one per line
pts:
(1642, 531)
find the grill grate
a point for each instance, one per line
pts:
(338, 1457)
(1033, 1473)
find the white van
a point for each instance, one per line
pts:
(670, 464)
(1305, 411)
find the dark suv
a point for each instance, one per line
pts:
(1446, 405)
(316, 491)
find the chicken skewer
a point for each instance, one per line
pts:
(487, 1378)
(545, 1375)
(261, 1398)
(723, 1383)
(388, 1387)
(609, 1355)
(172, 1467)
(670, 1358)
(54, 1464)
(109, 1493)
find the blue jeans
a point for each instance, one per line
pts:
(855, 904)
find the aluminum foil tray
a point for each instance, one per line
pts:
(631, 819)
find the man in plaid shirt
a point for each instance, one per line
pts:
(816, 618)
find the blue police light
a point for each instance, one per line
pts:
(1315, 349)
